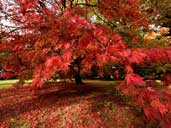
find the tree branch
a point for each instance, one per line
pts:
(96, 6)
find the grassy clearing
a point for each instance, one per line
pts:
(7, 83)
(4, 84)
(100, 83)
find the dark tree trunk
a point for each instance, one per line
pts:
(75, 67)
(77, 76)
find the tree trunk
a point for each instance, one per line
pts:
(75, 67)
(78, 79)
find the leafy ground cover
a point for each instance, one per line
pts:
(62, 105)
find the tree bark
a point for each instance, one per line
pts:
(77, 76)
(75, 67)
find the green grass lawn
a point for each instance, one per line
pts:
(8, 83)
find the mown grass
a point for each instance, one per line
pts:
(100, 83)
(4, 84)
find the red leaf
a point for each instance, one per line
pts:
(159, 106)
(6, 75)
(51, 65)
(150, 113)
(134, 79)
(66, 45)
(128, 69)
(137, 56)
(67, 56)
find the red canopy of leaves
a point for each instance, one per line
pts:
(50, 38)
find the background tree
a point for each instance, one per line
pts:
(160, 11)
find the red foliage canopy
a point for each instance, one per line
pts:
(48, 35)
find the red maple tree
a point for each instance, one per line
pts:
(49, 36)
